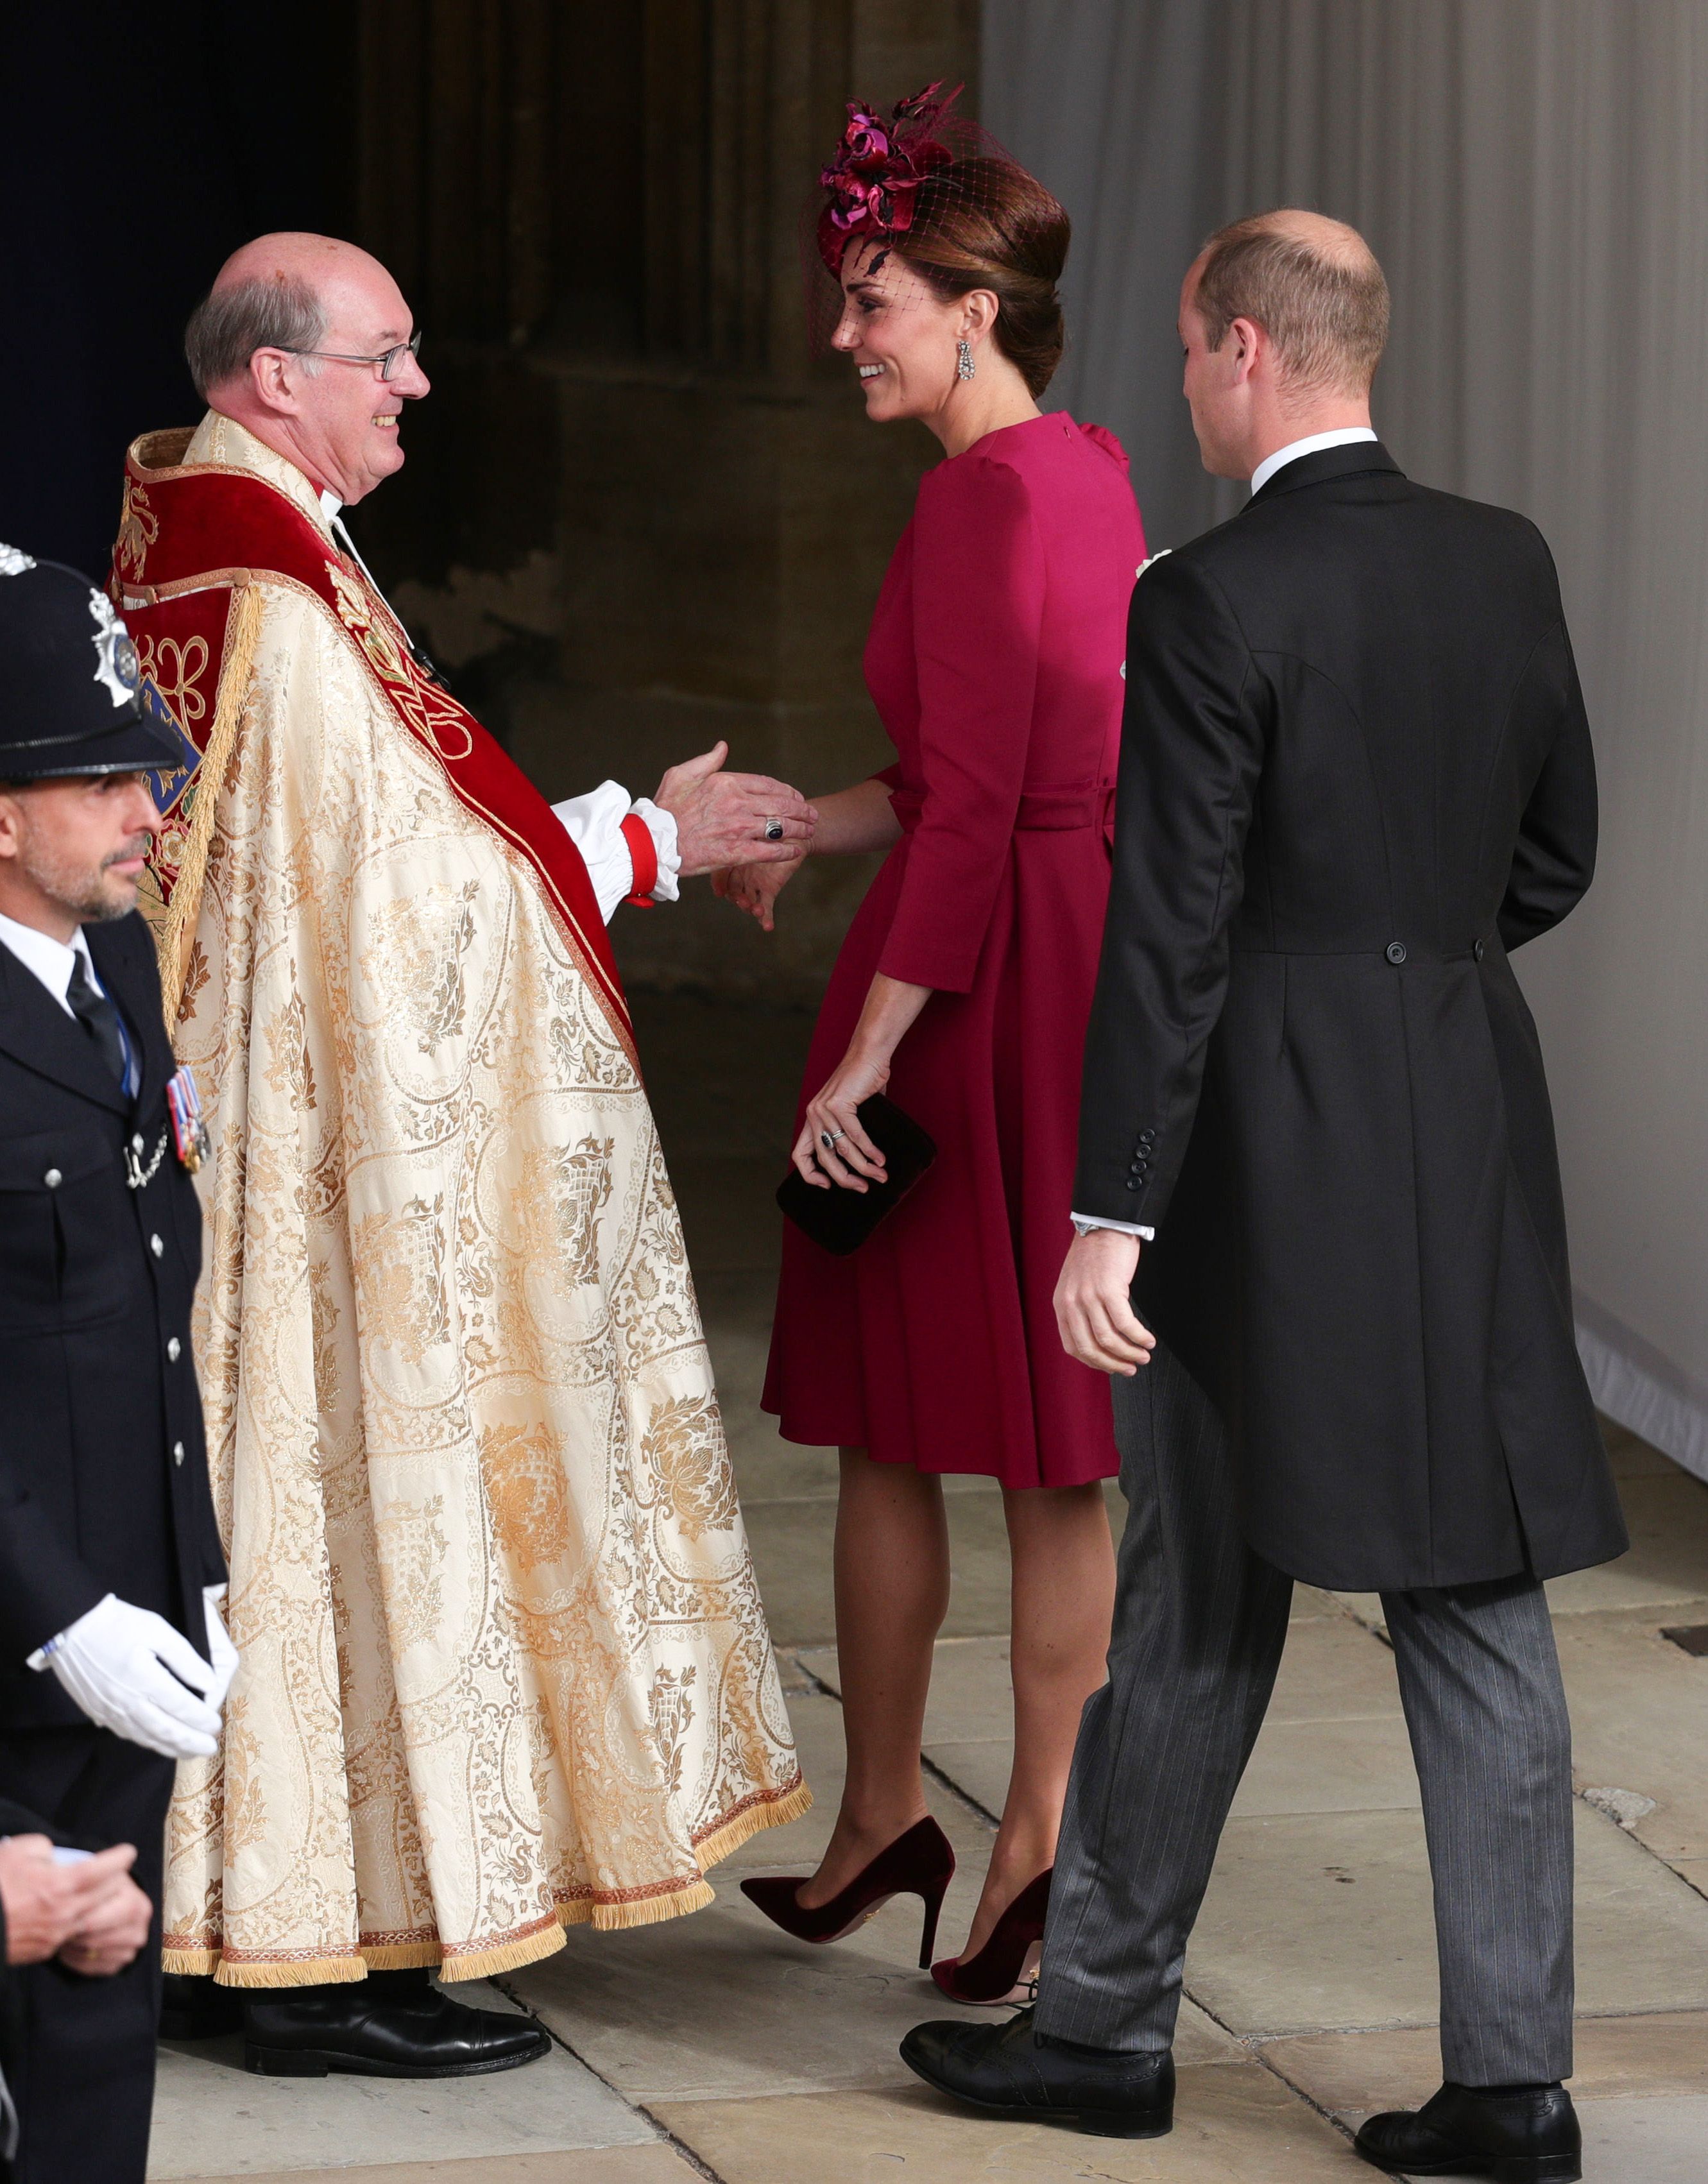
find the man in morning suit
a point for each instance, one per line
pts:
(110, 1565)
(1355, 774)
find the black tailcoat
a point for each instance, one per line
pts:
(1355, 772)
(104, 1477)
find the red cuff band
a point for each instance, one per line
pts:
(642, 852)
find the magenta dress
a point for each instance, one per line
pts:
(994, 659)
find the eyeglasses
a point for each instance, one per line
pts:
(390, 363)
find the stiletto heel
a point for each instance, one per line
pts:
(932, 1898)
(919, 1863)
(1001, 1972)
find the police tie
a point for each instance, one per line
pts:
(98, 1017)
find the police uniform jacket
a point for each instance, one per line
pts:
(104, 1480)
(1355, 773)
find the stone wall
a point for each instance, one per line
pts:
(637, 516)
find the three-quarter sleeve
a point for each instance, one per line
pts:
(978, 605)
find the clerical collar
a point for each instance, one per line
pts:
(1347, 436)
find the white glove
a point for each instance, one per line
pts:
(122, 1665)
(221, 1651)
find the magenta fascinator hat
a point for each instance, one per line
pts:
(872, 182)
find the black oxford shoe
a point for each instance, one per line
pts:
(1516, 2138)
(391, 2025)
(1008, 2070)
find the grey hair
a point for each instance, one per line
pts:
(227, 327)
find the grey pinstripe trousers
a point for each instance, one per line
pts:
(1200, 1623)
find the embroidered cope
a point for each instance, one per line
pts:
(504, 1666)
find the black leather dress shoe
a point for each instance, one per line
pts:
(193, 2007)
(1008, 2069)
(1516, 2138)
(391, 2025)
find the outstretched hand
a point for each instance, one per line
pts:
(756, 887)
(1094, 1309)
(725, 819)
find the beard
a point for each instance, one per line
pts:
(94, 894)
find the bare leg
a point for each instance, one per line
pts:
(892, 1593)
(1063, 1565)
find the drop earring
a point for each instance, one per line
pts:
(964, 365)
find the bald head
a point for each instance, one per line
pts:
(285, 291)
(303, 340)
(1312, 284)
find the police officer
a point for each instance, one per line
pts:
(114, 1658)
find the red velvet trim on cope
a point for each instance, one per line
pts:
(643, 853)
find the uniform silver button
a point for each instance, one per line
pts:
(136, 1144)
(52, 1178)
(178, 1452)
(156, 1246)
(175, 1350)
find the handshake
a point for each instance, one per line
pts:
(749, 832)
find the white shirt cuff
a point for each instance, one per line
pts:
(594, 822)
(1082, 1222)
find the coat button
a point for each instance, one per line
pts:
(1396, 951)
(156, 1246)
(52, 1178)
(1146, 1136)
(1477, 950)
(175, 1350)
(178, 1452)
(1133, 1184)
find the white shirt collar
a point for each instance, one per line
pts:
(52, 961)
(1347, 436)
(330, 504)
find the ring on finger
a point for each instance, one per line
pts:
(828, 1138)
(773, 830)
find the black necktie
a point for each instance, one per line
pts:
(98, 1017)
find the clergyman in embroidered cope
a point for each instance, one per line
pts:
(504, 1666)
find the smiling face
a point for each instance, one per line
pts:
(899, 331)
(71, 850)
(335, 420)
(348, 414)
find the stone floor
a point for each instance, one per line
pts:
(714, 2048)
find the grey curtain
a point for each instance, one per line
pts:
(1533, 174)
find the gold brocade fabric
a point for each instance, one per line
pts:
(505, 1665)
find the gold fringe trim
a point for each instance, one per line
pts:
(400, 1956)
(776, 1813)
(312, 1971)
(242, 626)
(650, 1910)
(508, 1957)
(643, 1911)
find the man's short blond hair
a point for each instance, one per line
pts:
(1313, 285)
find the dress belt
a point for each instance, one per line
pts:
(1041, 810)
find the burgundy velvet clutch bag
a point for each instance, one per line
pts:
(840, 1221)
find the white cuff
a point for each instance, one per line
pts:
(1083, 1222)
(594, 822)
(661, 826)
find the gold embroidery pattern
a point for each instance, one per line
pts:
(487, 1566)
(138, 528)
(176, 670)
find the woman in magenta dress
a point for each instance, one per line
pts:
(962, 991)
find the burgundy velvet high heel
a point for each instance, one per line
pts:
(1003, 1969)
(919, 1863)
